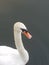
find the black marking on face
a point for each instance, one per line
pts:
(24, 30)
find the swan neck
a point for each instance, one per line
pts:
(20, 47)
(18, 41)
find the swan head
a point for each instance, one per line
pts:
(19, 27)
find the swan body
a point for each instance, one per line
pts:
(10, 56)
(19, 56)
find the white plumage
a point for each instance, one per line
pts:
(10, 56)
(19, 56)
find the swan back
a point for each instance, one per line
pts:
(10, 56)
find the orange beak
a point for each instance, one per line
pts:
(27, 34)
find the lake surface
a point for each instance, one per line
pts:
(35, 15)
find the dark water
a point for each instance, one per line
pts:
(33, 13)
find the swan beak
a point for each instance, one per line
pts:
(28, 35)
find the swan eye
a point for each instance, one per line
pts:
(24, 30)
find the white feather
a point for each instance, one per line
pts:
(11, 56)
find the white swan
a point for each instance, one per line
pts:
(19, 56)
